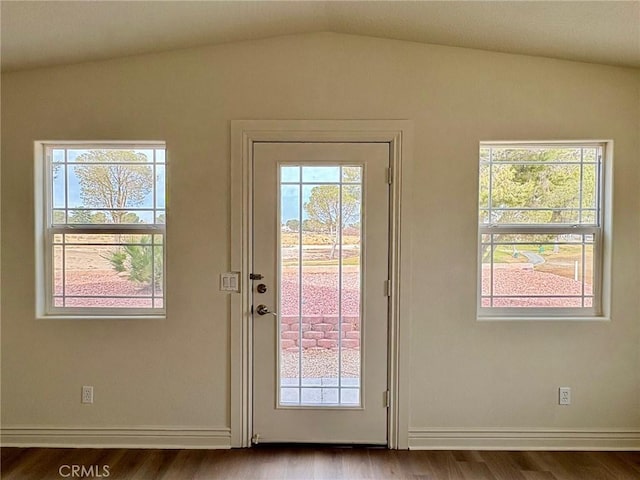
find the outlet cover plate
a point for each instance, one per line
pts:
(564, 395)
(87, 394)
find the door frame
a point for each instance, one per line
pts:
(398, 133)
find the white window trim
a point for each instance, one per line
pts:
(601, 245)
(44, 239)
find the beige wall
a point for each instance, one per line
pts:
(464, 374)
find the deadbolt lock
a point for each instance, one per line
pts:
(261, 288)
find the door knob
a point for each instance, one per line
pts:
(263, 310)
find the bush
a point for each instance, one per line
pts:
(143, 263)
(117, 261)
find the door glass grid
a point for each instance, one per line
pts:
(320, 272)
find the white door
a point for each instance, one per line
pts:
(320, 308)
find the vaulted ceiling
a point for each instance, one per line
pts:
(46, 33)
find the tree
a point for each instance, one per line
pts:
(87, 217)
(111, 182)
(143, 263)
(331, 210)
(538, 186)
(293, 224)
(536, 183)
(309, 225)
(115, 180)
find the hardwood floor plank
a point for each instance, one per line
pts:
(560, 465)
(444, 465)
(13, 456)
(39, 464)
(614, 465)
(595, 473)
(356, 464)
(385, 464)
(114, 456)
(630, 458)
(535, 475)
(327, 464)
(414, 465)
(467, 456)
(475, 471)
(320, 463)
(126, 463)
(524, 461)
(299, 464)
(418, 463)
(238, 464)
(154, 465)
(502, 465)
(268, 464)
(534, 462)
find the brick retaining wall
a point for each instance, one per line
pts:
(319, 331)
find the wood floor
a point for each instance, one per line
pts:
(289, 463)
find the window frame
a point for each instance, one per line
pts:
(46, 231)
(601, 232)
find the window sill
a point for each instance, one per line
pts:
(507, 318)
(101, 317)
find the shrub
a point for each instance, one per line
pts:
(143, 263)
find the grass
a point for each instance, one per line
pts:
(320, 256)
(563, 262)
(504, 254)
(328, 262)
(290, 239)
(558, 261)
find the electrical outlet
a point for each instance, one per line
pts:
(87, 394)
(564, 396)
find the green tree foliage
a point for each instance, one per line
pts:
(58, 217)
(309, 225)
(143, 263)
(537, 186)
(328, 209)
(293, 225)
(537, 179)
(112, 183)
(87, 217)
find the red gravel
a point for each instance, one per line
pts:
(522, 279)
(320, 293)
(103, 283)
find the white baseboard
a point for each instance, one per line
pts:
(136, 437)
(419, 438)
(518, 439)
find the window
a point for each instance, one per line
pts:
(101, 230)
(541, 229)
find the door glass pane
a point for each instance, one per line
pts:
(291, 328)
(350, 325)
(319, 255)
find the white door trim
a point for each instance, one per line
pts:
(398, 133)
